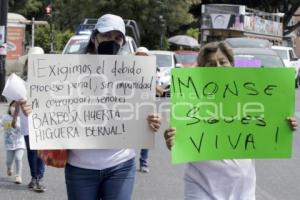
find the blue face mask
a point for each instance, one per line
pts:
(108, 48)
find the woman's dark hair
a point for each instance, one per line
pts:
(213, 47)
(90, 48)
(10, 105)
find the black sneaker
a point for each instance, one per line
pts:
(39, 187)
(32, 183)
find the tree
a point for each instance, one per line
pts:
(289, 8)
(42, 38)
(146, 12)
(28, 8)
(155, 18)
(193, 32)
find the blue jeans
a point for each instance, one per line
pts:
(114, 183)
(144, 157)
(36, 165)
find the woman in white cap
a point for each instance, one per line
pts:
(104, 173)
(143, 51)
(108, 36)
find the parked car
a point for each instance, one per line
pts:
(290, 59)
(186, 58)
(256, 57)
(258, 52)
(254, 52)
(244, 42)
(165, 61)
(78, 43)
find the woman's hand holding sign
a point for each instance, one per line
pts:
(25, 107)
(169, 137)
(293, 123)
(154, 121)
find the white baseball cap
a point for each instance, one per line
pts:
(142, 50)
(36, 50)
(109, 22)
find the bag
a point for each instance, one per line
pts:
(54, 158)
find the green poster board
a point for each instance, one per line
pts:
(231, 113)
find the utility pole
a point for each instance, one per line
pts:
(3, 37)
(162, 22)
(51, 35)
(33, 23)
(32, 32)
(49, 13)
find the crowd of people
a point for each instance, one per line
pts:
(110, 173)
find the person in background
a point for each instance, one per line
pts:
(14, 143)
(144, 154)
(36, 165)
(219, 179)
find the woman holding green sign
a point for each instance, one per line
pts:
(218, 179)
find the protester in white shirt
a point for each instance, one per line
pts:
(220, 179)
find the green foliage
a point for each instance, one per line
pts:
(154, 17)
(193, 32)
(145, 12)
(42, 38)
(28, 8)
(61, 39)
(67, 14)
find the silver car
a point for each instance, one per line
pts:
(165, 61)
(78, 43)
(256, 57)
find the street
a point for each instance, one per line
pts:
(276, 179)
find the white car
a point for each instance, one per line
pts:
(289, 58)
(78, 43)
(165, 61)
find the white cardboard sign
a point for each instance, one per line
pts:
(15, 88)
(91, 101)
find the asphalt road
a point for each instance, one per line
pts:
(276, 179)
